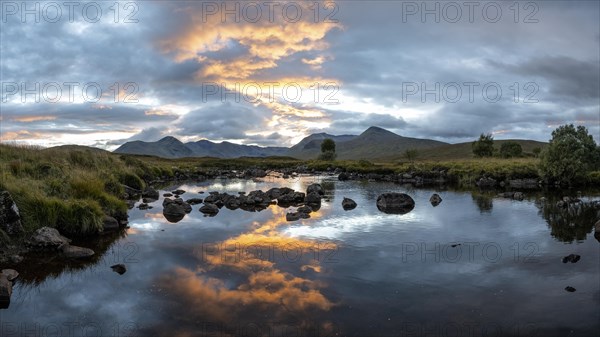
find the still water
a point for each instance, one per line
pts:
(474, 265)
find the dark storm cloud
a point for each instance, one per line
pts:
(567, 77)
(222, 121)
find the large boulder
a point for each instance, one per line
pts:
(47, 238)
(348, 204)
(315, 188)
(435, 199)
(395, 203)
(10, 219)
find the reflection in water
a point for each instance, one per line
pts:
(568, 221)
(261, 287)
(484, 202)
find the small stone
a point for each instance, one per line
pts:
(573, 258)
(570, 289)
(119, 268)
(348, 204)
(75, 252)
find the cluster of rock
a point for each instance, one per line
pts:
(49, 239)
(306, 202)
(527, 183)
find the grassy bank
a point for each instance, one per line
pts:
(71, 188)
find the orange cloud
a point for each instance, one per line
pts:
(28, 119)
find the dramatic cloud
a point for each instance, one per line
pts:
(254, 74)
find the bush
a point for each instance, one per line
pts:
(570, 156)
(511, 149)
(484, 146)
(131, 180)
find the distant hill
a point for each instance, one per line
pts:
(465, 150)
(205, 148)
(375, 143)
(168, 147)
(310, 146)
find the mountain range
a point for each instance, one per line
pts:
(373, 143)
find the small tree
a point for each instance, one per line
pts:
(511, 149)
(328, 149)
(411, 154)
(570, 156)
(484, 146)
(328, 144)
(536, 151)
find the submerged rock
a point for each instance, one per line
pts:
(435, 199)
(395, 203)
(178, 192)
(119, 268)
(75, 252)
(570, 289)
(348, 204)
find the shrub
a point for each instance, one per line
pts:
(327, 156)
(511, 149)
(484, 146)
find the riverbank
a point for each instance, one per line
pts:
(81, 190)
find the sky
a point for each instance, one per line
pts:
(101, 73)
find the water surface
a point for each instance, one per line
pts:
(474, 265)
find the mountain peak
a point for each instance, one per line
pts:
(169, 140)
(377, 130)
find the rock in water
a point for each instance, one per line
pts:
(435, 199)
(570, 289)
(395, 203)
(348, 204)
(150, 193)
(75, 252)
(573, 258)
(343, 176)
(209, 209)
(48, 238)
(316, 188)
(7, 276)
(10, 219)
(119, 268)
